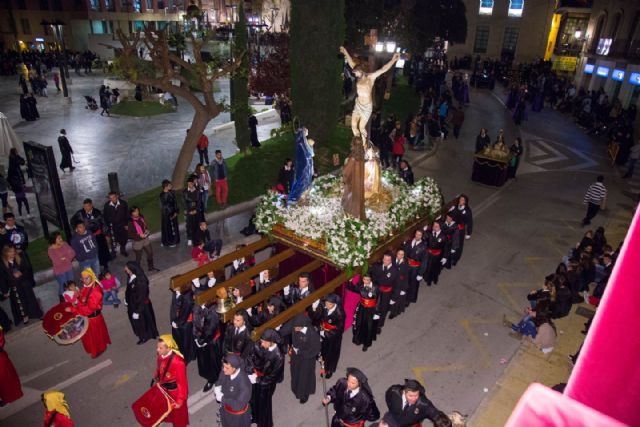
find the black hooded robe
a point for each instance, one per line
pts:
(305, 349)
(137, 297)
(352, 410)
(206, 332)
(169, 224)
(268, 366)
(181, 315)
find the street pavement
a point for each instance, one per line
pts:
(142, 150)
(452, 339)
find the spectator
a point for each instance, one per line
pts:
(253, 131)
(397, 149)
(218, 234)
(198, 253)
(61, 256)
(204, 185)
(139, 234)
(110, 285)
(71, 293)
(634, 155)
(285, 176)
(203, 149)
(516, 152)
(4, 193)
(66, 151)
(169, 205)
(192, 202)
(406, 173)
(15, 234)
(457, 119)
(595, 199)
(21, 199)
(86, 248)
(116, 218)
(482, 140)
(16, 283)
(220, 174)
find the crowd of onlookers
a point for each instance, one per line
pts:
(581, 277)
(43, 62)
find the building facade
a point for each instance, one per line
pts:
(496, 29)
(610, 56)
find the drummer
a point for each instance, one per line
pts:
(96, 339)
(171, 375)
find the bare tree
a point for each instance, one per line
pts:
(164, 68)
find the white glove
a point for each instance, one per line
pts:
(178, 293)
(467, 237)
(287, 289)
(403, 293)
(453, 251)
(217, 390)
(198, 344)
(295, 350)
(211, 282)
(236, 263)
(135, 316)
(315, 304)
(253, 378)
(443, 261)
(376, 317)
(419, 278)
(278, 327)
(392, 302)
(322, 334)
(196, 282)
(239, 300)
(174, 325)
(249, 311)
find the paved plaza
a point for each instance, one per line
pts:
(452, 339)
(142, 150)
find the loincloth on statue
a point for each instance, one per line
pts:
(362, 110)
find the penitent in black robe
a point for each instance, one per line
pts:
(169, 224)
(206, 332)
(268, 366)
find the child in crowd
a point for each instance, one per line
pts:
(110, 285)
(71, 293)
(198, 253)
(21, 200)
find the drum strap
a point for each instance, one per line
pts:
(52, 419)
(86, 300)
(166, 368)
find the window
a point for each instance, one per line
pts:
(137, 5)
(44, 4)
(486, 7)
(22, 4)
(57, 5)
(149, 4)
(109, 5)
(482, 39)
(78, 4)
(510, 40)
(95, 4)
(138, 26)
(26, 26)
(99, 27)
(515, 8)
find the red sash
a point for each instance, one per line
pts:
(413, 263)
(346, 424)
(328, 326)
(230, 410)
(385, 289)
(435, 252)
(460, 226)
(368, 303)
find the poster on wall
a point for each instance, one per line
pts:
(46, 186)
(565, 63)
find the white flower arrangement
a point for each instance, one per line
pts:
(349, 241)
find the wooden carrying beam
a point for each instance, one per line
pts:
(210, 294)
(300, 306)
(183, 280)
(267, 292)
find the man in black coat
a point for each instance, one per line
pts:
(409, 405)
(415, 251)
(302, 289)
(385, 276)
(402, 285)
(267, 366)
(66, 151)
(139, 307)
(207, 337)
(436, 258)
(365, 318)
(116, 218)
(305, 346)
(463, 216)
(331, 318)
(181, 317)
(237, 337)
(450, 230)
(352, 400)
(285, 177)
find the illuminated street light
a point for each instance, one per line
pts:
(578, 34)
(391, 47)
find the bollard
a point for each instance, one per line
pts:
(113, 182)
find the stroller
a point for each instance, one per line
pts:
(91, 103)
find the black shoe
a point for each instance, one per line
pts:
(2, 403)
(365, 348)
(153, 269)
(140, 341)
(304, 400)
(328, 375)
(208, 386)
(391, 316)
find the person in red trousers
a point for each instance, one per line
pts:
(10, 388)
(57, 410)
(96, 339)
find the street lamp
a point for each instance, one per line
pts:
(64, 72)
(578, 34)
(390, 46)
(379, 47)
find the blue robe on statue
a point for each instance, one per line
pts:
(303, 167)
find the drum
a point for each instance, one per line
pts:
(152, 407)
(63, 325)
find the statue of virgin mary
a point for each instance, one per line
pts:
(303, 167)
